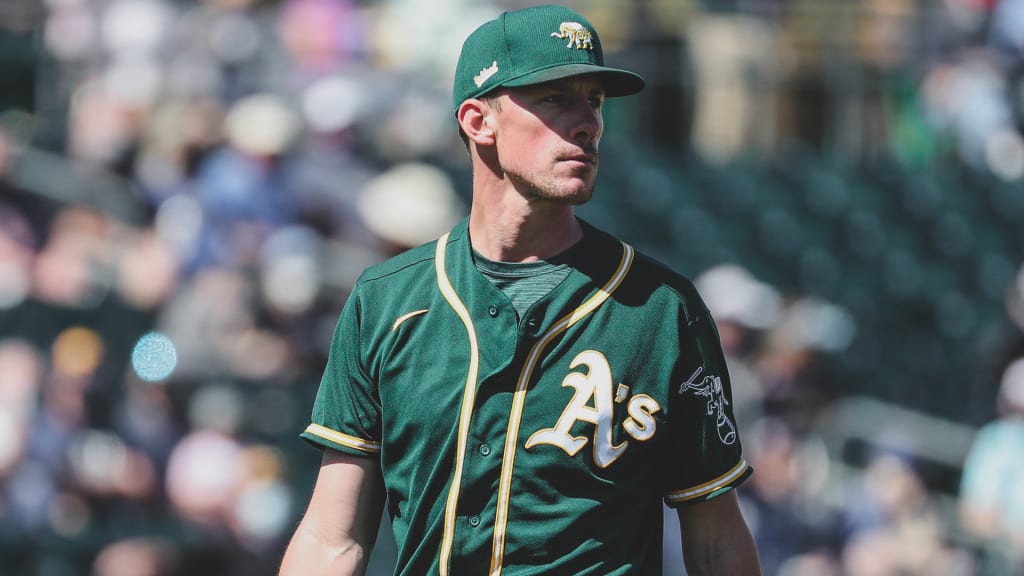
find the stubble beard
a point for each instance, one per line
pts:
(554, 190)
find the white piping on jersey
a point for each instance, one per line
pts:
(708, 487)
(343, 439)
(468, 400)
(404, 317)
(519, 399)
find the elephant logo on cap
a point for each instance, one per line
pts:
(577, 34)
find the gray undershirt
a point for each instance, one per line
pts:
(524, 283)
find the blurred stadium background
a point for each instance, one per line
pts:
(188, 189)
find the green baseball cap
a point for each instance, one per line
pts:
(535, 45)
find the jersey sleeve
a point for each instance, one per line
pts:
(707, 456)
(347, 412)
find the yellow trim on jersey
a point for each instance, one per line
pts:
(468, 399)
(343, 439)
(708, 487)
(519, 399)
(404, 317)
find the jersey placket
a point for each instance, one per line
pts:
(519, 398)
(458, 517)
(476, 505)
(470, 507)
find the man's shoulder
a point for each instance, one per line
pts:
(407, 263)
(647, 269)
(411, 265)
(657, 270)
(670, 286)
(651, 280)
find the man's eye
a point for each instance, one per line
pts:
(596, 101)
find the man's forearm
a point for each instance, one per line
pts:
(736, 556)
(340, 526)
(309, 554)
(716, 539)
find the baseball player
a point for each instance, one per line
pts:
(523, 393)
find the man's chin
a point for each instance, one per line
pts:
(567, 191)
(575, 198)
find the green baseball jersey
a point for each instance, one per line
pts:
(545, 444)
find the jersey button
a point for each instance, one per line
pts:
(485, 450)
(493, 310)
(474, 521)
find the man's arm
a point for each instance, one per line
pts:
(716, 539)
(340, 526)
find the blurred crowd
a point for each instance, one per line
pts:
(196, 184)
(854, 487)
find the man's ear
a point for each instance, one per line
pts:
(474, 119)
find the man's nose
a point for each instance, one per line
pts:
(587, 122)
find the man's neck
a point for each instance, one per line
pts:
(522, 232)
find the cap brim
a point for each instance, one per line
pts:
(616, 82)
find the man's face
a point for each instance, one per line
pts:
(547, 138)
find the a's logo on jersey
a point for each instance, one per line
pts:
(486, 74)
(593, 402)
(577, 35)
(711, 388)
